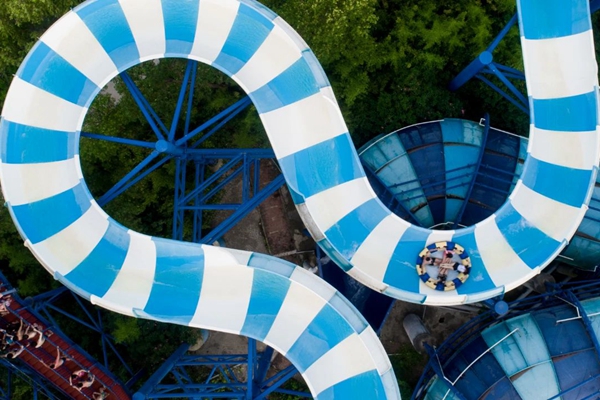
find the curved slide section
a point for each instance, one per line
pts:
(255, 295)
(266, 298)
(530, 229)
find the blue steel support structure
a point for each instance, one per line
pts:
(484, 65)
(48, 306)
(180, 143)
(222, 377)
(198, 181)
(39, 387)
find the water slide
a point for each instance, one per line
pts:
(255, 295)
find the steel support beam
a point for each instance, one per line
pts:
(484, 64)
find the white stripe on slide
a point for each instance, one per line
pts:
(224, 297)
(27, 183)
(348, 358)
(292, 34)
(303, 124)
(500, 260)
(439, 298)
(298, 310)
(544, 213)
(439, 236)
(145, 18)
(72, 39)
(275, 55)
(28, 105)
(329, 206)
(215, 19)
(566, 62)
(81, 237)
(376, 350)
(316, 285)
(567, 149)
(133, 285)
(375, 253)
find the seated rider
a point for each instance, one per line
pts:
(447, 263)
(101, 394)
(81, 379)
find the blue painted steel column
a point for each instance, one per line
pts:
(251, 369)
(484, 59)
(184, 88)
(484, 63)
(160, 373)
(178, 212)
(219, 231)
(478, 64)
(145, 107)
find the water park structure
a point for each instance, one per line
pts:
(259, 296)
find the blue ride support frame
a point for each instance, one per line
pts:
(484, 64)
(227, 384)
(185, 152)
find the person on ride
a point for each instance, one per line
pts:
(448, 264)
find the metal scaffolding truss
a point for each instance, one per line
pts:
(201, 175)
(183, 146)
(484, 66)
(10, 372)
(49, 306)
(238, 376)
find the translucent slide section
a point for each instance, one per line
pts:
(262, 297)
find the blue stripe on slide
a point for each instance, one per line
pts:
(24, 144)
(532, 245)
(41, 219)
(181, 20)
(479, 279)
(349, 312)
(325, 332)
(564, 18)
(100, 268)
(401, 272)
(268, 293)
(107, 21)
(566, 185)
(367, 385)
(177, 280)
(575, 113)
(272, 264)
(249, 31)
(349, 233)
(47, 70)
(294, 84)
(322, 166)
(316, 68)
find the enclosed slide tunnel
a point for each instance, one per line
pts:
(252, 294)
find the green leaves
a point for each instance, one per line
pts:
(22, 22)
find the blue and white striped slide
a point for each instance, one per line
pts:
(256, 295)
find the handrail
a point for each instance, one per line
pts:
(477, 359)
